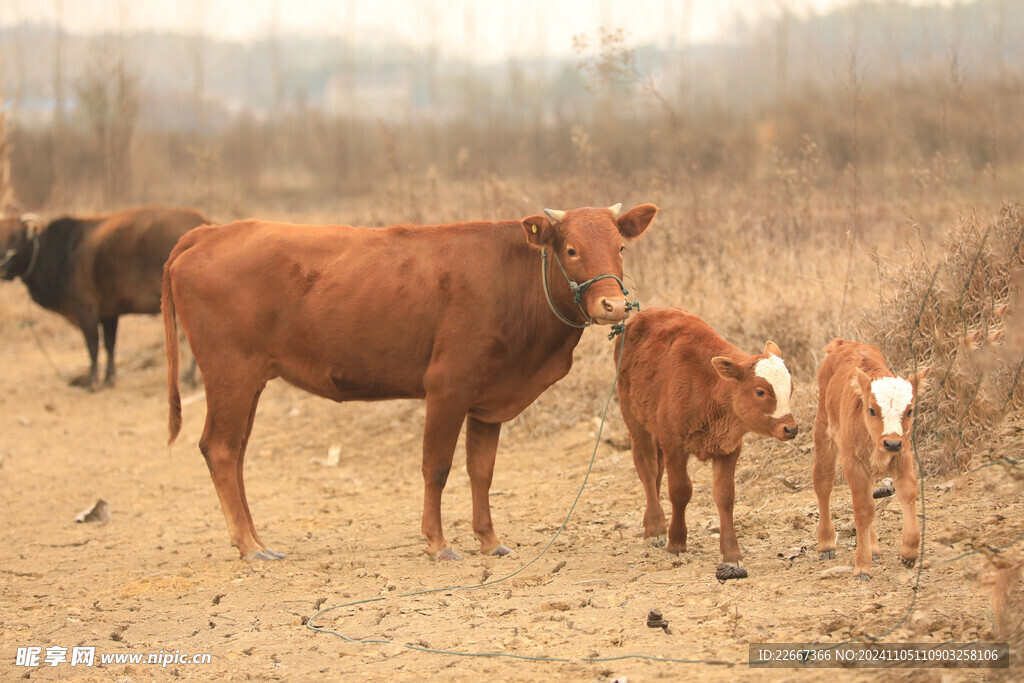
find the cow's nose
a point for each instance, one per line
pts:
(790, 432)
(614, 309)
(893, 446)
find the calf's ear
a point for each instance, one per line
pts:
(773, 349)
(920, 380)
(861, 384)
(728, 369)
(539, 230)
(633, 223)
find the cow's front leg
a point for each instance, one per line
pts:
(724, 490)
(90, 330)
(440, 434)
(481, 449)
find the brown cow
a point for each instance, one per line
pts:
(684, 390)
(93, 270)
(865, 412)
(463, 315)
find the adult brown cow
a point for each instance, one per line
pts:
(93, 270)
(684, 390)
(472, 317)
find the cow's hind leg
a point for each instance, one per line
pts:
(649, 462)
(440, 434)
(481, 450)
(241, 480)
(109, 340)
(90, 330)
(229, 410)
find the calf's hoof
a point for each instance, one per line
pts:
(447, 554)
(263, 555)
(500, 551)
(875, 556)
(828, 554)
(862, 576)
(908, 562)
(727, 570)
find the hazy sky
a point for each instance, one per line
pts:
(487, 29)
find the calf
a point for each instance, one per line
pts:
(476, 318)
(684, 391)
(865, 415)
(94, 270)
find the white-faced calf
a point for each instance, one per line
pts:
(684, 391)
(865, 416)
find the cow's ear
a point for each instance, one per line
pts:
(727, 368)
(539, 230)
(773, 349)
(920, 380)
(861, 384)
(633, 223)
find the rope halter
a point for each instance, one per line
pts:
(578, 290)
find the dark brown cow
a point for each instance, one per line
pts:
(684, 391)
(865, 414)
(454, 314)
(93, 270)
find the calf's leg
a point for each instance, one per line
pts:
(823, 472)
(906, 492)
(680, 490)
(858, 476)
(481, 449)
(648, 460)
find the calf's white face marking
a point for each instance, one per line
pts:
(893, 395)
(774, 371)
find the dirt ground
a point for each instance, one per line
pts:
(161, 575)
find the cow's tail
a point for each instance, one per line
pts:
(172, 344)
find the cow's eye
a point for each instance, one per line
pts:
(871, 412)
(571, 252)
(622, 249)
(760, 393)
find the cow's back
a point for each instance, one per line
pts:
(361, 313)
(124, 255)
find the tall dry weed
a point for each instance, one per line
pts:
(954, 316)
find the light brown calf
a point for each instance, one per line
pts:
(865, 416)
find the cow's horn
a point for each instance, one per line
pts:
(33, 224)
(555, 215)
(615, 209)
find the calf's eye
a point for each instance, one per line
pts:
(760, 393)
(910, 411)
(871, 412)
(572, 252)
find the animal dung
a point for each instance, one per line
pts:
(100, 512)
(655, 619)
(885, 490)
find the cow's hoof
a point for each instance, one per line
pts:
(828, 555)
(862, 576)
(274, 554)
(447, 554)
(658, 541)
(727, 571)
(263, 556)
(908, 562)
(875, 556)
(500, 551)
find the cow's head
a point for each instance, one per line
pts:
(18, 245)
(761, 392)
(589, 243)
(887, 404)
